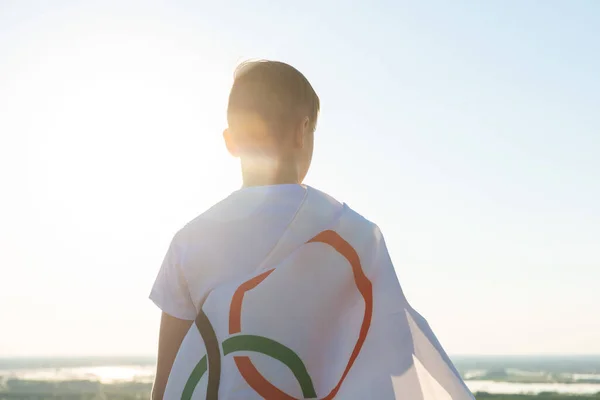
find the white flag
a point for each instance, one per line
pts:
(323, 317)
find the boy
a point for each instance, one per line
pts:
(284, 270)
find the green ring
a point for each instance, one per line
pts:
(258, 344)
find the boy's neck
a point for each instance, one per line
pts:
(265, 172)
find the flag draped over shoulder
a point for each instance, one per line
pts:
(323, 317)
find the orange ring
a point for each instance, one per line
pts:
(247, 369)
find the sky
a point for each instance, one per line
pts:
(468, 131)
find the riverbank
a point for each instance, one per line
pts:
(16, 389)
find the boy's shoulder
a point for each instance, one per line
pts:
(237, 206)
(226, 210)
(241, 204)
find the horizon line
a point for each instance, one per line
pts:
(148, 356)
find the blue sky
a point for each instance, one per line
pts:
(468, 131)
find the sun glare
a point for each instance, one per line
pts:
(123, 145)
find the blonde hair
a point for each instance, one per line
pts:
(275, 91)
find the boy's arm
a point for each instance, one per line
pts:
(171, 294)
(172, 332)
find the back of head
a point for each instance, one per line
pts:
(269, 100)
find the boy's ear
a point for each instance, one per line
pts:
(301, 133)
(230, 143)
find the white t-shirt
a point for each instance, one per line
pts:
(228, 241)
